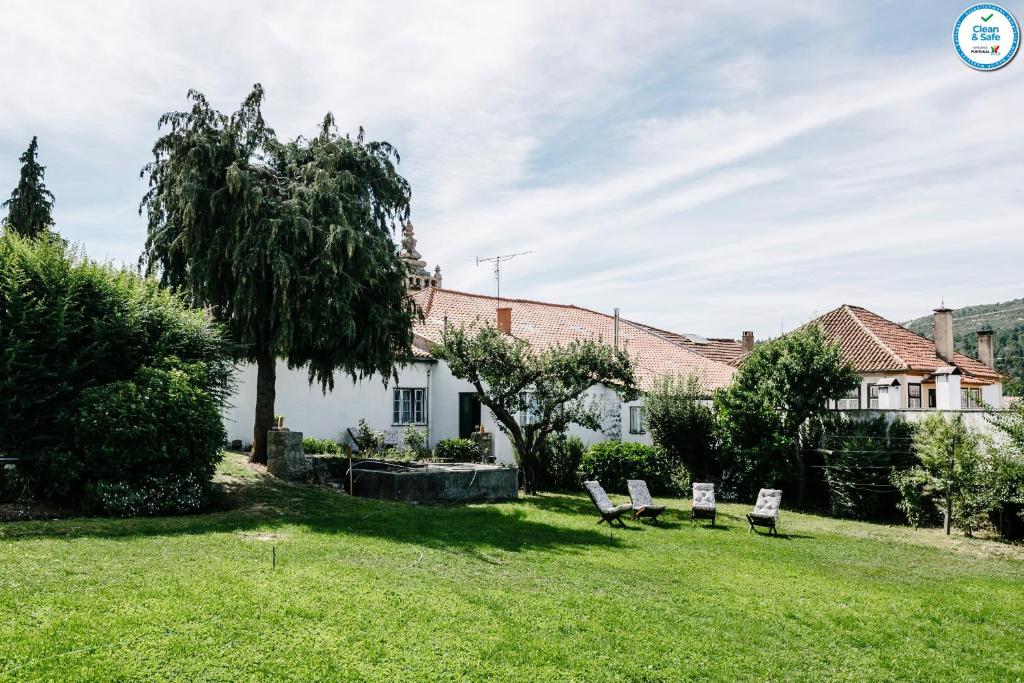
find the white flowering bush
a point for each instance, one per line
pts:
(168, 495)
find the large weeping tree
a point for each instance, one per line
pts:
(288, 243)
(29, 210)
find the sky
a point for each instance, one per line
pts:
(705, 167)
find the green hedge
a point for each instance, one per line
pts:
(457, 450)
(315, 446)
(562, 457)
(108, 382)
(613, 462)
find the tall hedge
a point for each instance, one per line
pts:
(613, 462)
(101, 369)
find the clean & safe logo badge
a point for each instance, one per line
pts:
(986, 36)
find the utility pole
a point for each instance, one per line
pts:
(497, 261)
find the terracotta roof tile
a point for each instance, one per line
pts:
(544, 325)
(874, 344)
(716, 348)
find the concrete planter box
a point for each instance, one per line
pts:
(411, 482)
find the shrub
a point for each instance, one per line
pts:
(368, 440)
(320, 446)
(561, 464)
(859, 459)
(457, 450)
(682, 423)
(75, 335)
(613, 462)
(1006, 483)
(166, 495)
(415, 441)
(159, 429)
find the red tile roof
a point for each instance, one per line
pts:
(874, 344)
(544, 325)
(716, 348)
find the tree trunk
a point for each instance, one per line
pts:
(801, 492)
(266, 375)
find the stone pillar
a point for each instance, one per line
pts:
(285, 458)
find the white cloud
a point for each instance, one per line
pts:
(707, 168)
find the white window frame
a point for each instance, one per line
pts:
(873, 400)
(637, 420)
(851, 401)
(910, 395)
(970, 398)
(409, 406)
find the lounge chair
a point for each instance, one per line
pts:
(703, 503)
(643, 504)
(766, 510)
(609, 513)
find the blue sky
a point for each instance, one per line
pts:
(704, 167)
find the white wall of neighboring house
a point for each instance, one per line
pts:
(991, 394)
(327, 416)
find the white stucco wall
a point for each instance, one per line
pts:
(307, 409)
(327, 416)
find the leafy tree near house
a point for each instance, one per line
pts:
(29, 210)
(511, 379)
(953, 474)
(683, 424)
(288, 243)
(780, 388)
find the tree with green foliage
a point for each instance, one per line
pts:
(781, 387)
(546, 386)
(953, 474)
(1008, 471)
(108, 383)
(29, 210)
(288, 243)
(680, 420)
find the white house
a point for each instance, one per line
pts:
(902, 370)
(427, 395)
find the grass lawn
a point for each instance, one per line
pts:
(365, 590)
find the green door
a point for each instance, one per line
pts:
(469, 414)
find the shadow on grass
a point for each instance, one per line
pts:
(260, 501)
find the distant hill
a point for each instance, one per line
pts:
(1006, 319)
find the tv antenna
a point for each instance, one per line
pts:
(497, 261)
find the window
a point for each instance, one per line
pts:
(931, 398)
(970, 397)
(913, 395)
(409, 407)
(851, 401)
(528, 409)
(637, 424)
(872, 396)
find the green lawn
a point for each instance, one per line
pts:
(528, 591)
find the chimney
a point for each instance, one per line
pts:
(985, 352)
(615, 331)
(505, 320)
(748, 341)
(943, 334)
